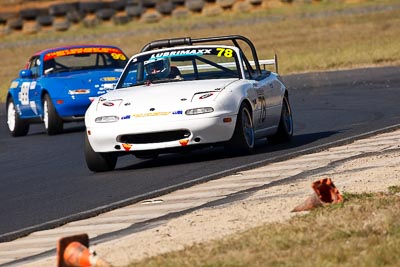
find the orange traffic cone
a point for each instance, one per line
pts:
(325, 193)
(73, 251)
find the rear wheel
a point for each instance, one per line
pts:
(285, 128)
(16, 125)
(243, 137)
(52, 122)
(99, 162)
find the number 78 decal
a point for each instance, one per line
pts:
(226, 52)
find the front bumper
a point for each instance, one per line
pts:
(113, 137)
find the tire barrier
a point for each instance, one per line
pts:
(212, 11)
(121, 19)
(60, 10)
(28, 17)
(178, 2)
(165, 7)
(194, 5)
(134, 11)
(255, 2)
(90, 7)
(29, 14)
(61, 24)
(226, 4)
(91, 21)
(149, 3)
(45, 20)
(242, 7)
(75, 16)
(105, 13)
(118, 5)
(15, 23)
(180, 13)
(31, 27)
(151, 16)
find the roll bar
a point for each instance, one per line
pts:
(190, 41)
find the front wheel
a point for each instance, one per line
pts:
(99, 162)
(242, 140)
(52, 122)
(285, 128)
(16, 125)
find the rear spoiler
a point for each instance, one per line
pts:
(262, 63)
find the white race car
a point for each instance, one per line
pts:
(176, 95)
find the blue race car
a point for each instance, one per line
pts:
(57, 85)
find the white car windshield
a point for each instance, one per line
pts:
(181, 64)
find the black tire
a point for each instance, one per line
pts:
(90, 7)
(285, 128)
(60, 10)
(52, 122)
(178, 2)
(91, 22)
(16, 125)
(61, 25)
(75, 16)
(4, 16)
(99, 162)
(133, 2)
(118, 5)
(243, 138)
(194, 5)
(149, 3)
(256, 2)
(151, 17)
(225, 3)
(134, 11)
(45, 20)
(29, 13)
(121, 19)
(31, 27)
(105, 13)
(165, 7)
(15, 23)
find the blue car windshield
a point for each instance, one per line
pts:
(181, 64)
(76, 59)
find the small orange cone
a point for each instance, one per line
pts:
(73, 251)
(325, 193)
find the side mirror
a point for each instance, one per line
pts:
(25, 74)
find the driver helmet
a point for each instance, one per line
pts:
(158, 68)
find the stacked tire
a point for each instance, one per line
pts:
(91, 13)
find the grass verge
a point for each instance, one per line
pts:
(362, 231)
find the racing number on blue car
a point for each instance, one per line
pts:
(23, 96)
(117, 56)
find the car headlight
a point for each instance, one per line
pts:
(197, 111)
(106, 119)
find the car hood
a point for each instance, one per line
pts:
(166, 97)
(91, 80)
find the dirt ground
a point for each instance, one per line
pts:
(365, 174)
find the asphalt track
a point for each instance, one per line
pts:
(45, 182)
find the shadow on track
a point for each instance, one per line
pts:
(212, 154)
